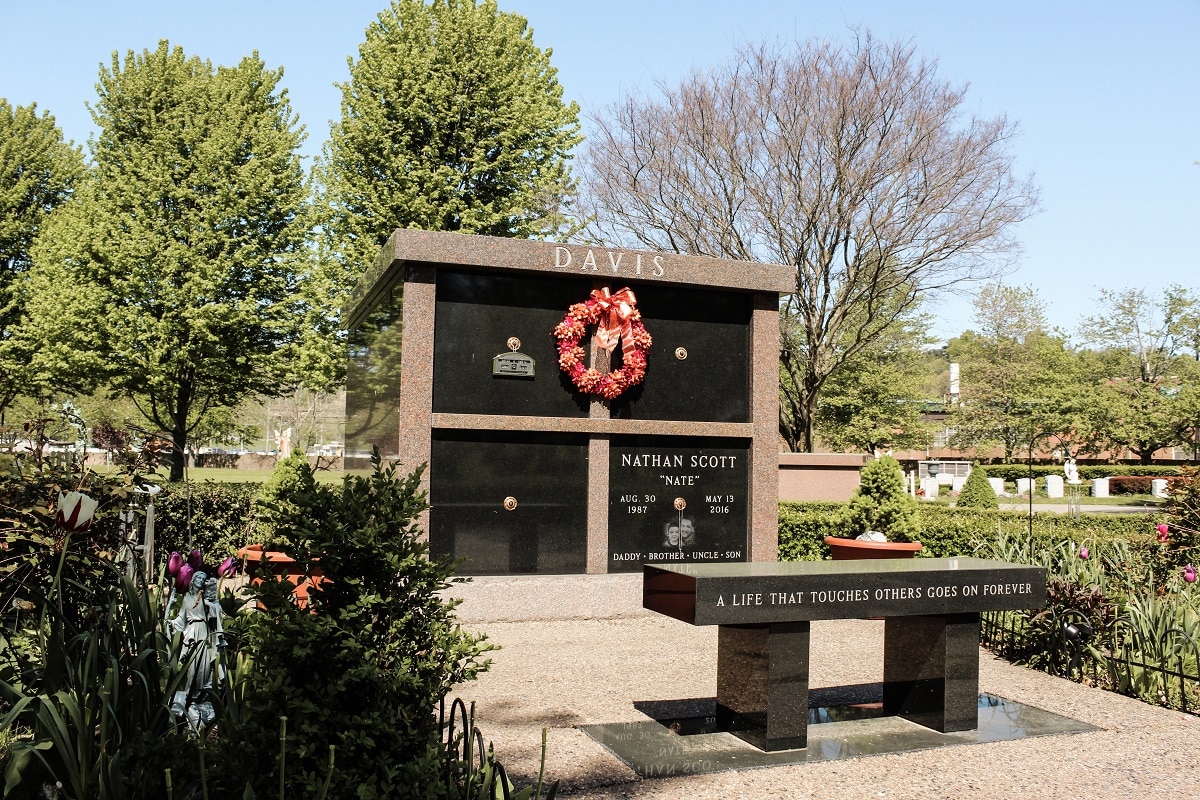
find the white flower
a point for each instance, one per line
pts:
(75, 511)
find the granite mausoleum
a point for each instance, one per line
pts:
(455, 363)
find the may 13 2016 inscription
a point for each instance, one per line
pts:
(678, 500)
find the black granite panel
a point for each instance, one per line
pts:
(472, 473)
(676, 499)
(729, 594)
(762, 684)
(476, 314)
(931, 670)
(711, 382)
(373, 380)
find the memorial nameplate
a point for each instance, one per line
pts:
(680, 499)
(738, 594)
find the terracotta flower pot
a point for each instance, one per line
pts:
(850, 549)
(283, 566)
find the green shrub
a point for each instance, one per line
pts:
(977, 492)
(949, 532)
(881, 503)
(366, 664)
(1010, 472)
(292, 477)
(804, 526)
(214, 517)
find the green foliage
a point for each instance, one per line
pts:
(366, 663)
(452, 120)
(41, 560)
(1182, 509)
(292, 477)
(94, 703)
(804, 526)
(214, 517)
(38, 172)
(874, 400)
(881, 504)
(172, 275)
(977, 492)
(949, 532)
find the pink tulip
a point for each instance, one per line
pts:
(1164, 533)
(184, 579)
(228, 568)
(1084, 552)
(1189, 573)
(195, 560)
(174, 563)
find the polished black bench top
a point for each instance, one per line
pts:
(765, 592)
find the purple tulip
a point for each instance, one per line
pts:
(174, 563)
(195, 560)
(184, 579)
(1084, 552)
(228, 568)
(1189, 573)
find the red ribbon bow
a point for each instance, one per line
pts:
(615, 320)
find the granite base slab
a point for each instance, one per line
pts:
(681, 736)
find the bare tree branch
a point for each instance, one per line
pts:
(855, 165)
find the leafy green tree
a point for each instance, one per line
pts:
(1145, 396)
(881, 504)
(172, 276)
(452, 120)
(977, 492)
(875, 401)
(38, 171)
(1018, 379)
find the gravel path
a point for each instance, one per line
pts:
(579, 650)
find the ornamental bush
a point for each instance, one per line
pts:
(977, 492)
(881, 504)
(365, 665)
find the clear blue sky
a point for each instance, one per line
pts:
(1105, 93)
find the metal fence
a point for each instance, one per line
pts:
(1156, 666)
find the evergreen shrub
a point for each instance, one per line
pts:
(977, 492)
(881, 504)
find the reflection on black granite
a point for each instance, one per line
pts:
(472, 473)
(373, 380)
(682, 739)
(698, 367)
(476, 315)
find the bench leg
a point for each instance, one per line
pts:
(762, 683)
(931, 670)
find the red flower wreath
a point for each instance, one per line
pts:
(616, 318)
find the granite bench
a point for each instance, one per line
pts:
(930, 608)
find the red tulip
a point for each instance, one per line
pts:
(174, 563)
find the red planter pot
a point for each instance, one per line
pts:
(283, 566)
(851, 549)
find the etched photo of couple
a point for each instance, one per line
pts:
(679, 533)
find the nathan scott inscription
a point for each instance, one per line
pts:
(931, 633)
